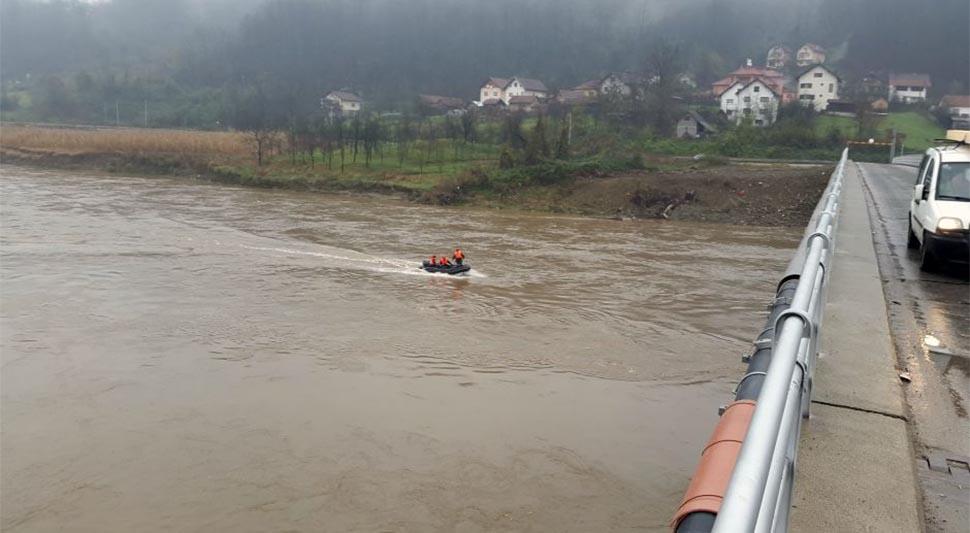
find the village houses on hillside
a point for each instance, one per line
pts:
(810, 54)
(817, 86)
(434, 104)
(957, 108)
(908, 88)
(956, 105)
(752, 92)
(755, 100)
(612, 84)
(504, 89)
(342, 102)
(778, 57)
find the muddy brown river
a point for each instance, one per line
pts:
(179, 356)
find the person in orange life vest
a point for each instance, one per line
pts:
(443, 261)
(459, 256)
(433, 261)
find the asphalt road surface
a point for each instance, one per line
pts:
(929, 315)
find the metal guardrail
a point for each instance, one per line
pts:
(745, 479)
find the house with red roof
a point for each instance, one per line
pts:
(755, 100)
(778, 82)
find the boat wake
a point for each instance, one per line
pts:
(360, 261)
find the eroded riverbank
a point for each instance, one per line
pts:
(744, 194)
(189, 356)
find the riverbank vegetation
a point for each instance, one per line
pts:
(537, 168)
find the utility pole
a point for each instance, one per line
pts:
(569, 136)
(117, 115)
(892, 147)
(146, 113)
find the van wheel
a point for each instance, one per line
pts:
(927, 263)
(911, 242)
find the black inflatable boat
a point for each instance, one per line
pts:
(451, 270)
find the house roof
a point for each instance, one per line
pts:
(523, 99)
(628, 78)
(775, 91)
(910, 79)
(879, 104)
(530, 84)
(779, 48)
(731, 88)
(575, 97)
(501, 83)
(441, 101)
(813, 47)
(493, 101)
(823, 67)
(956, 100)
(757, 71)
(746, 74)
(702, 121)
(345, 96)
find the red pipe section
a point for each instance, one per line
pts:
(706, 490)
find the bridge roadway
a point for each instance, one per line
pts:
(873, 455)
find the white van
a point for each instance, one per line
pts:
(939, 214)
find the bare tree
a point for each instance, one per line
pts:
(661, 86)
(251, 114)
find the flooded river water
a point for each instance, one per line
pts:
(191, 357)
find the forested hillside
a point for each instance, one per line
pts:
(184, 59)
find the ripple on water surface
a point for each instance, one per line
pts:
(282, 354)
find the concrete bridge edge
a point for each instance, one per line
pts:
(856, 469)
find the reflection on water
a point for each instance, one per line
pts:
(192, 357)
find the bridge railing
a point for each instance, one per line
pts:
(746, 474)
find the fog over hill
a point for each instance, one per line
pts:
(392, 49)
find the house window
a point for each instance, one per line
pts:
(831, 87)
(805, 86)
(759, 122)
(818, 74)
(764, 99)
(807, 97)
(757, 89)
(747, 111)
(747, 99)
(730, 101)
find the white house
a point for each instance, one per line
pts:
(755, 101)
(493, 89)
(346, 102)
(611, 84)
(816, 86)
(778, 57)
(810, 54)
(956, 105)
(525, 87)
(908, 88)
(505, 88)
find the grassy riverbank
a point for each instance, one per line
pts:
(637, 184)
